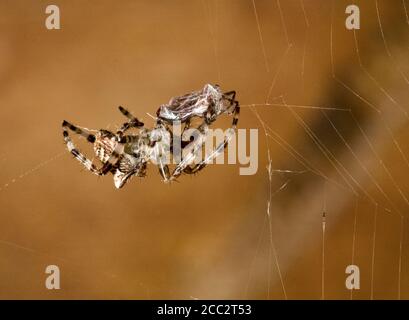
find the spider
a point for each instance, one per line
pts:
(126, 156)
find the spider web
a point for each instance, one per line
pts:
(350, 181)
(331, 186)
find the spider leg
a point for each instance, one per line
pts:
(209, 158)
(77, 154)
(184, 143)
(210, 115)
(164, 171)
(230, 93)
(132, 123)
(236, 114)
(186, 161)
(128, 139)
(163, 167)
(230, 96)
(219, 149)
(132, 119)
(90, 137)
(128, 125)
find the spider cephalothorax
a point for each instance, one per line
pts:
(126, 156)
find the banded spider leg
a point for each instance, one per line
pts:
(109, 164)
(87, 163)
(229, 96)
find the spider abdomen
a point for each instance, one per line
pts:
(104, 147)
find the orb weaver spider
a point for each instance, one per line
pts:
(127, 155)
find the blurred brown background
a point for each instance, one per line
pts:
(207, 236)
